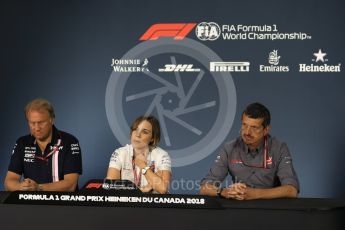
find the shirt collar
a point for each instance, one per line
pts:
(55, 137)
(260, 149)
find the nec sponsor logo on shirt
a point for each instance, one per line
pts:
(319, 67)
(29, 157)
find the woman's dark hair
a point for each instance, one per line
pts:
(156, 129)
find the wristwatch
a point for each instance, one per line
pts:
(144, 170)
(219, 191)
(39, 187)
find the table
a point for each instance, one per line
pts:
(301, 213)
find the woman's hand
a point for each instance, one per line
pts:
(140, 161)
(147, 188)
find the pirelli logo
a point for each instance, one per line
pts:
(229, 66)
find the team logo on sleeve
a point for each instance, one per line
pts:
(287, 160)
(75, 148)
(114, 157)
(14, 149)
(166, 161)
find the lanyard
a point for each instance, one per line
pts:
(55, 150)
(137, 178)
(265, 151)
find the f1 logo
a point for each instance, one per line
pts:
(94, 185)
(176, 30)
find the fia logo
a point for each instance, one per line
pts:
(207, 31)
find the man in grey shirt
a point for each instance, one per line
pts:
(260, 165)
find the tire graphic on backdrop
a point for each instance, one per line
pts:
(195, 109)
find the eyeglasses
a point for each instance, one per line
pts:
(251, 128)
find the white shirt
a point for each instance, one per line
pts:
(122, 159)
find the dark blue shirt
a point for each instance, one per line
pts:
(65, 157)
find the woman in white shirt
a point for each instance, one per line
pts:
(142, 162)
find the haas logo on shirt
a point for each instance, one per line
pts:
(269, 161)
(236, 161)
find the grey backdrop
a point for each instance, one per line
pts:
(62, 51)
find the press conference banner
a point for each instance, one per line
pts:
(112, 199)
(194, 65)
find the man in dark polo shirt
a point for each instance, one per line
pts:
(260, 165)
(47, 159)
